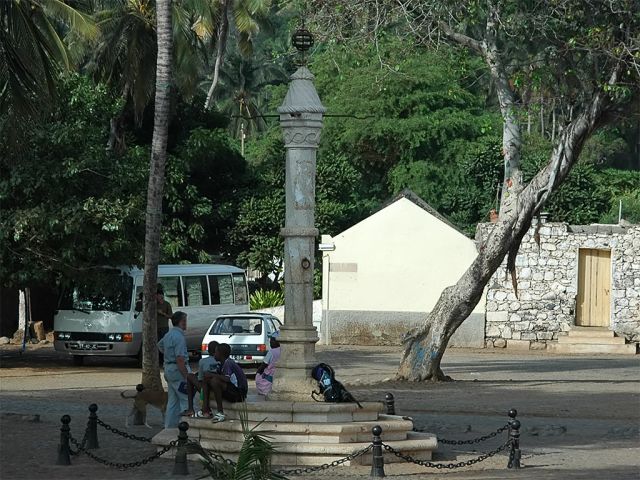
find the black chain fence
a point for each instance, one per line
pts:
(129, 436)
(481, 439)
(325, 466)
(185, 446)
(449, 466)
(120, 466)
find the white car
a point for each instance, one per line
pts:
(246, 333)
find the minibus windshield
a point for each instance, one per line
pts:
(109, 290)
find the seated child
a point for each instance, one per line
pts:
(194, 383)
(265, 372)
(231, 384)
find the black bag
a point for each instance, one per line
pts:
(332, 390)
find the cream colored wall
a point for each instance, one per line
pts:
(404, 258)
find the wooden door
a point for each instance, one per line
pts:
(594, 287)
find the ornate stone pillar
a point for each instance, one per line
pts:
(301, 120)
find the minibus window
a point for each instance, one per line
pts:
(240, 289)
(196, 292)
(221, 289)
(105, 290)
(172, 290)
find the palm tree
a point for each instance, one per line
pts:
(33, 50)
(247, 16)
(241, 92)
(155, 191)
(124, 55)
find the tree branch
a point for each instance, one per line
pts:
(461, 39)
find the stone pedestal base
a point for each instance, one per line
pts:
(294, 382)
(309, 433)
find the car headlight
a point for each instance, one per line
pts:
(111, 337)
(60, 336)
(67, 336)
(118, 337)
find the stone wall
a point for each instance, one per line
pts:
(548, 283)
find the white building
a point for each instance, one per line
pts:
(383, 275)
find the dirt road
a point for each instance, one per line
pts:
(580, 415)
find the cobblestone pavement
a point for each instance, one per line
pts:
(580, 415)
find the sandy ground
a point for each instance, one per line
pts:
(580, 415)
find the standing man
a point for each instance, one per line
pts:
(163, 316)
(176, 369)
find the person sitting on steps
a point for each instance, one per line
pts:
(267, 369)
(194, 382)
(230, 385)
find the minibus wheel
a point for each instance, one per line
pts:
(78, 360)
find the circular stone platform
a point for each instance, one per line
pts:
(308, 433)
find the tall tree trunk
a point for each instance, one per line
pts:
(424, 346)
(511, 134)
(553, 120)
(150, 365)
(542, 116)
(223, 36)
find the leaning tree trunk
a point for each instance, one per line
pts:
(150, 364)
(223, 35)
(424, 346)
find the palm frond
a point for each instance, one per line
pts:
(76, 20)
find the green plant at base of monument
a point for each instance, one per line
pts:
(254, 459)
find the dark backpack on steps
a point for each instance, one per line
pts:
(330, 388)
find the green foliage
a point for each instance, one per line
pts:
(32, 51)
(69, 205)
(266, 299)
(412, 110)
(591, 193)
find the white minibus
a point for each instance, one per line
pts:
(98, 317)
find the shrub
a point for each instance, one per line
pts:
(266, 299)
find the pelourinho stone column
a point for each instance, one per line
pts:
(301, 120)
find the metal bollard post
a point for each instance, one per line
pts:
(64, 452)
(514, 453)
(92, 428)
(181, 467)
(391, 403)
(377, 460)
(513, 413)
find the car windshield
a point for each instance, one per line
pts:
(237, 325)
(105, 290)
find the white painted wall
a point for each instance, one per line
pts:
(399, 259)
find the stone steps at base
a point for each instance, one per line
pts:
(600, 332)
(584, 348)
(394, 428)
(418, 445)
(585, 340)
(304, 412)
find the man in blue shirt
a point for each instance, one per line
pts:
(176, 368)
